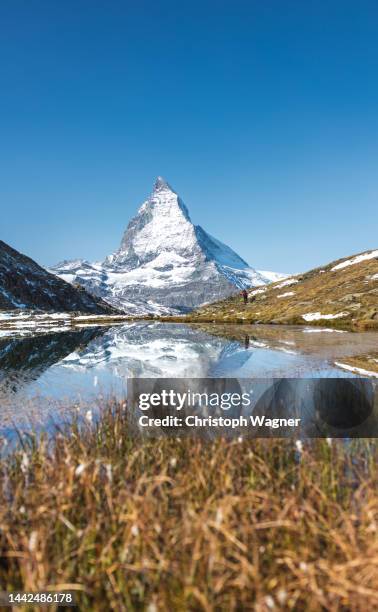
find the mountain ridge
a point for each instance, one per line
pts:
(165, 264)
(24, 284)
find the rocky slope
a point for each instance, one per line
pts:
(24, 284)
(343, 293)
(164, 264)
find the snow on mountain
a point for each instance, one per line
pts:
(150, 349)
(165, 263)
(355, 260)
(26, 285)
(272, 277)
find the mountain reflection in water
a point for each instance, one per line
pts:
(40, 373)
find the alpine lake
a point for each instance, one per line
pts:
(46, 376)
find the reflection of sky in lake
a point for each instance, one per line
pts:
(262, 362)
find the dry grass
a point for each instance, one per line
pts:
(189, 525)
(367, 362)
(352, 290)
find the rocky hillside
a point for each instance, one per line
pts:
(343, 293)
(25, 284)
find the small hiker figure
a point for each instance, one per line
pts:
(246, 341)
(245, 296)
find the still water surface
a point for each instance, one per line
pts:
(40, 375)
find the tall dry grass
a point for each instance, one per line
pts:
(166, 524)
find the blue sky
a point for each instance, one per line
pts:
(262, 115)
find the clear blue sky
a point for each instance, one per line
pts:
(262, 114)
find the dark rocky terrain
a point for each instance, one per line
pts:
(25, 284)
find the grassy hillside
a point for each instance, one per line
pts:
(342, 294)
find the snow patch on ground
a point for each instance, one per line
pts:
(355, 260)
(320, 330)
(286, 283)
(89, 317)
(287, 294)
(256, 292)
(26, 323)
(355, 370)
(316, 316)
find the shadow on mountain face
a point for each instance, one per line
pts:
(25, 359)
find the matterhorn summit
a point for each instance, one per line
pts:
(164, 264)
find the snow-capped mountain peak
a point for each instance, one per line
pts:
(162, 225)
(161, 185)
(165, 263)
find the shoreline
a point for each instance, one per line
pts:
(32, 324)
(351, 326)
(20, 319)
